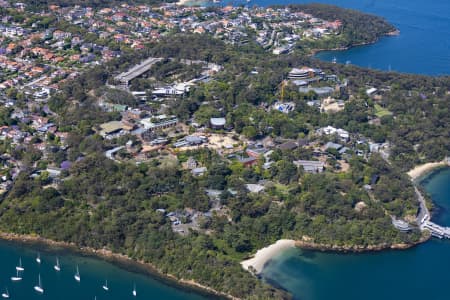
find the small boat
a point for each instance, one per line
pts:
(20, 267)
(38, 288)
(6, 294)
(134, 291)
(105, 286)
(77, 275)
(38, 258)
(57, 267)
(17, 277)
(334, 60)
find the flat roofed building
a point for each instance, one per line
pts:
(167, 91)
(110, 128)
(159, 122)
(310, 166)
(199, 171)
(303, 73)
(320, 91)
(217, 123)
(331, 145)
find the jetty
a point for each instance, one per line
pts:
(436, 230)
(424, 221)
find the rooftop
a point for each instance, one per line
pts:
(218, 121)
(111, 127)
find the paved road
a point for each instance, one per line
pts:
(423, 207)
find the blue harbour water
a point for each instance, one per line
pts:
(62, 285)
(418, 273)
(423, 46)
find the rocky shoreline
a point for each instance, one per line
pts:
(395, 32)
(357, 248)
(122, 259)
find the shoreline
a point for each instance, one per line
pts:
(358, 248)
(421, 171)
(257, 263)
(314, 52)
(120, 260)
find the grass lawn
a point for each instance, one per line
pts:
(381, 112)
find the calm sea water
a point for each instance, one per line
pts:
(62, 285)
(423, 46)
(418, 273)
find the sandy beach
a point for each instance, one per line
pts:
(421, 170)
(263, 255)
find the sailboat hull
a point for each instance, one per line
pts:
(16, 278)
(77, 278)
(5, 295)
(39, 289)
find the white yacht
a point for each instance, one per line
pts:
(17, 277)
(77, 275)
(57, 267)
(38, 288)
(134, 291)
(20, 267)
(6, 294)
(105, 286)
(38, 258)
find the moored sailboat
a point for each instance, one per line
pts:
(5, 294)
(17, 277)
(38, 288)
(77, 275)
(105, 286)
(38, 258)
(134, 290)
(57, 267)
(20, 267)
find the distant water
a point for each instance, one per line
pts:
(418, 273)
(62, 285)
(423, 46)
